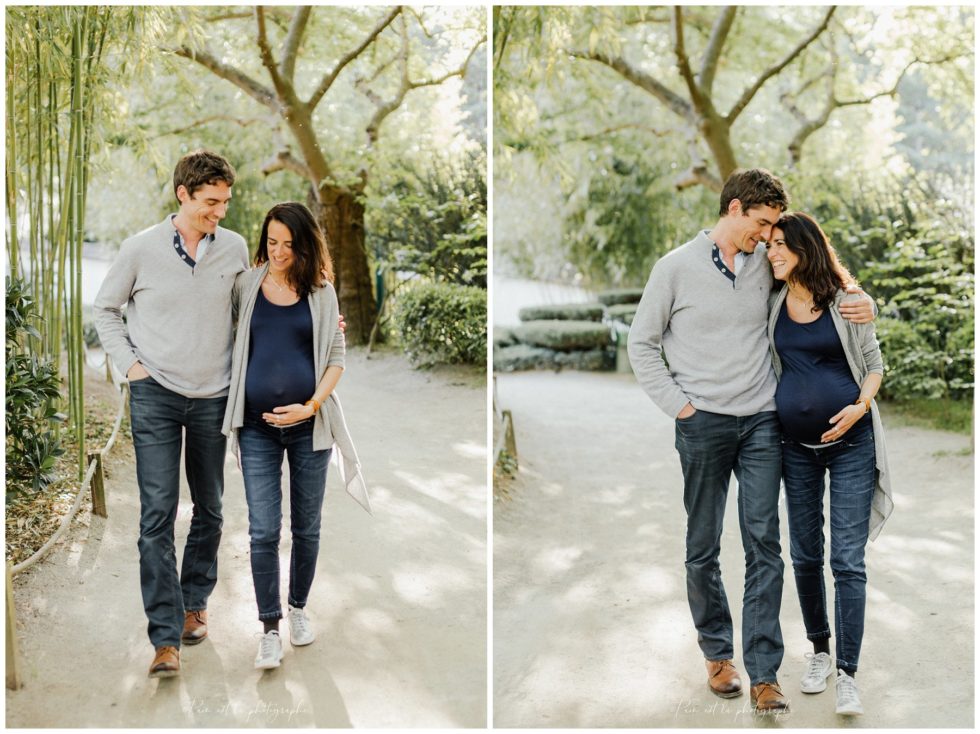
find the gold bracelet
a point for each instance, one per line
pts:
(315, 404)
(865, 401)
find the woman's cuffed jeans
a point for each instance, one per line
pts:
(161, 419)
(851, 464)
(711, 447)
(262, 447)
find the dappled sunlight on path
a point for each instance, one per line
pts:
(591, 622)
(399, 600)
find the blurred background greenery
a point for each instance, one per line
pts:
(374, 116)
(614, 127)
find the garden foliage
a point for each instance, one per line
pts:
(562, 312)
(443, 323)
(33, 387)
(564, 335)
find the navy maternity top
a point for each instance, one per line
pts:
(280, 356)
(816, 381)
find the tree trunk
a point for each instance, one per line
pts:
(341, 216)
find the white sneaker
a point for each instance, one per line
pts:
(848, 702)
(818, 669)
(300, 628)
(270, 651)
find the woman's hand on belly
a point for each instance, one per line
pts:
(843, 422)
(285, 415)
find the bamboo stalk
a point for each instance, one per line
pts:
(13, 244)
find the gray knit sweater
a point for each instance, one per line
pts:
(178, 318)
(712, 332)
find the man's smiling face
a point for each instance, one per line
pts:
(753, 226)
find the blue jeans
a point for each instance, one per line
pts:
(851, 464)
(262, 447)
(160, 420)
(711, 448)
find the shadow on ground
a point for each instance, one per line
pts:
(591, 623)
(399, 600)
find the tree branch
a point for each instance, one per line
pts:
(285, 161)
(241, 80)
(386, 108)
(331, 76)
(677, 26)
(287, 67)
(749, 93)
(719, 34)
(205, 121)
(265, 52)
(616, 129)
(697, 176)
(460, 72)
(644, 81)
(276, 14)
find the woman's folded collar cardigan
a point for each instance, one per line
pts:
(329, 426)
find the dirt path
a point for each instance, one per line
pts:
(591, 623)
(399, 601)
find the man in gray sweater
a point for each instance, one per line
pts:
(176, 280)
(705, 309)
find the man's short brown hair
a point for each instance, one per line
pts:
(753, 187)
(200, 168)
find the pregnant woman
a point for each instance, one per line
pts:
(829, 372)
(287, 360)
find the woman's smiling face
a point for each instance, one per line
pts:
(782, 259)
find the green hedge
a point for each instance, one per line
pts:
(527, 357)
(564, 335)
(563, 312)
(620, 295)
(503, 336)
(622, 312)
(443, 323)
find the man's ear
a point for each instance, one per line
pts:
(735, 207)
(182, 194)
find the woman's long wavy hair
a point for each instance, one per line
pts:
(311, 259)
(818, 270)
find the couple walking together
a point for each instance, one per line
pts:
(215, 350)
(769, 384)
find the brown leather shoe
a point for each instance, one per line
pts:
(723, 679)
(768, 697)
(166, 664)
(195, 627)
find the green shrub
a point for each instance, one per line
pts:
(911, 365)
(522, 357)
(33, 387)
(622, 312)
(562, 312)
(527, 357)
(620, 295)
(564, 335)
(503, 336)
(443, 323)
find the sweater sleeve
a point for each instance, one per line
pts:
(871, 349)
(116, 290)
(338, 346)
(645, 344)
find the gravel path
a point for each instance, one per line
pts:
(399, 601)
(591, 623)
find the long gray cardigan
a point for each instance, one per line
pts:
(329, 426)
(863, 357)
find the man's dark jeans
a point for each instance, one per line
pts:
(711, 447)
(160, 420)
(262, 447)
(851, 463)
